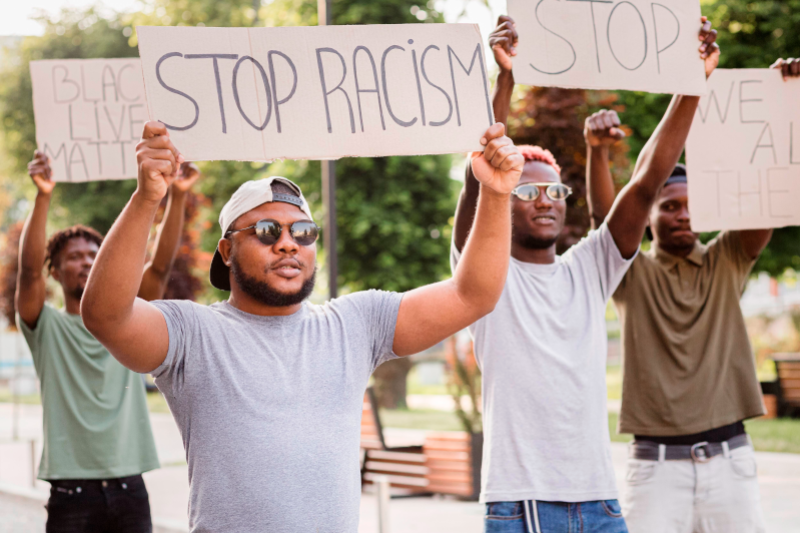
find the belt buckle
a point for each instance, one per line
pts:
(699, 453)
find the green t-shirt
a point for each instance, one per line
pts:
(96, 424)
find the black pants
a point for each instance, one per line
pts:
(99, 506)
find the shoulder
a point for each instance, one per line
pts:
(365, 300)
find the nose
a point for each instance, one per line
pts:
(683, 215)
(88, 260)
(543, 202)
(285, 243)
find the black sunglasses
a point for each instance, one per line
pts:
(303, 232)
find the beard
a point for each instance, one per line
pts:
(532, 242)
(77, 292)
(263, 292)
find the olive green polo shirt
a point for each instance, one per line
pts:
(96, 423)
(688, 364)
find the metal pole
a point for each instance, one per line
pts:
(329, 185)
(33, 463)
(382, 482)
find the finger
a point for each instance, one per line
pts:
(501, 154)
(608, 123)
(616, 133)
(514, 160)
(163, 142)
(157, 165)
(710, 38)
(503, 19)
(153, 128)
(615, 121)
(492, 147)
(495, 130)
(795, 67)
(143, 156)
(777, 64)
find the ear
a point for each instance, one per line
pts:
(225, 246)
(55, 273)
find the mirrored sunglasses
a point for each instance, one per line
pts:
(303, 232)
(529, 192)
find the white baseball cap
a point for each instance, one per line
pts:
(250, 195)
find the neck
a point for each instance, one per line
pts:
(244, 302)
(539, 256)
(678, 251)
(72, 304)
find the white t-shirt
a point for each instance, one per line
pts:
(543, 353)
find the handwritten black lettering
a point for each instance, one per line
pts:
(572, 48)
(425, 75)
(756, 193)
(359, 90)
(133, 122)
(419, 85)
(326, 92)
(97, 144)
(85, 87)
(713, 96)
(771, 144)
(71, 127)
(608, 35)
(478, 54)
(771, 191)
(655, 31)
(404, 123)
(117, 130)
(109, 73)
(215, 60)
(266, 89)
(594, 25)
(73, 160)
(62, 150)
(175, 91)
(743, 100)
(64, 80)
(279, 103)
(121, 84)
(122, 153)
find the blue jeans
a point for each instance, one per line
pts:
(554, 517)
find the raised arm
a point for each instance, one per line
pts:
(503, 41)
(432, 313)
(168, 238)
(601, 130)
(754, 241)
(628, 217)
(29, 298)
(133, 330)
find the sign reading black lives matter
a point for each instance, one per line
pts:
(637, 45)
(743, 152)
(89, 115)
(258, 94)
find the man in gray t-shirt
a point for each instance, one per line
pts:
(266, 388)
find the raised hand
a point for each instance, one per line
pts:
(187, 176)
(41, 173)
(788, 67)
(603, 129)
(499, 166)
(158, 161)
(709, 50)
(503, 41)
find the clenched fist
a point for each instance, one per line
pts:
(499, 166)
(158, 160)
(603, 129)
(40, 172)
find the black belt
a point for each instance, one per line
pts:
(700, 452)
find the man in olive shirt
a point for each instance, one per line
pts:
(97, 435)
(689, 371)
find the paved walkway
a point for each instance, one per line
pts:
(779, 479)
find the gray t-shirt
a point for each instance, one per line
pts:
(543, 353)
(269, 409)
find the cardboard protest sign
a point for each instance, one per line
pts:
(258, 94)
(743, 152)
(89, 115)
(637, 45)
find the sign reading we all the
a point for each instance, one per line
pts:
(743, 152)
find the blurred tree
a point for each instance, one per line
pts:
(9, 252)
(751, 35)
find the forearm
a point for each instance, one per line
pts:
(117, 271)
(481, 272)
(34, 237)
(501, 96)
(599, 184)
(662, 151)
(465, 210)
(157, 272)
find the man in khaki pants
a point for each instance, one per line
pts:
(690, 377)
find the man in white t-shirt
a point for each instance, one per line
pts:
(546, 457)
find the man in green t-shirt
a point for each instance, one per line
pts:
(97, 435)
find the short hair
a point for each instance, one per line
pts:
(60, 239)
(537, 153)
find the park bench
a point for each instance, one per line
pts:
(404, 466)
(787, 366)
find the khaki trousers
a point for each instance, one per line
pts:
(685, 496)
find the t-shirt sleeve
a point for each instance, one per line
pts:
(732, 255)
(180, 318)
(34, 336)
(611, 267)
(379, 310)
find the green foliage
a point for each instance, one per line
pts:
(751, 35)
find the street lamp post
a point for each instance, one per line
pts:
(329, 185)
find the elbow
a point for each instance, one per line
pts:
(94, 319)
